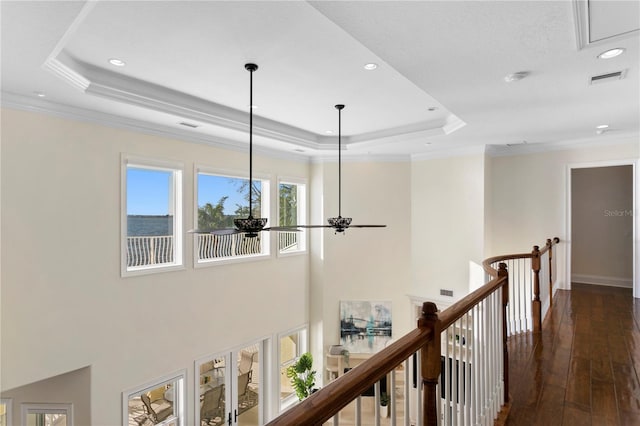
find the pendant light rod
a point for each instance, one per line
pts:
(339, 107)
(251, 68)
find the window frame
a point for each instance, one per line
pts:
(177, 171)
(303, 346)
(179, 378)
(301, 183)
(265, 211)
(8, 410)
(47, 408)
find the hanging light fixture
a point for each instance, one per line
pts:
(250, 226)
(339, 223)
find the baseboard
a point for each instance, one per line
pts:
(600, 280)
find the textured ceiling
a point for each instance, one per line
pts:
(439, 88)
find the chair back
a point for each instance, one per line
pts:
(147, 405)
(212, 403)
(243, 383)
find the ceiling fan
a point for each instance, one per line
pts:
(339, 224)
(249, 226)
(252, 226)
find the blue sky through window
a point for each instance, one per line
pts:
(148, 191)
(211, 188)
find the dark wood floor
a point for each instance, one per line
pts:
(584, 368)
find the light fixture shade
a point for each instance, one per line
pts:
(611, 53)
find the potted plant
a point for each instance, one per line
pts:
(302, 377)
(384, 404)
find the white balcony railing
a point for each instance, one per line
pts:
(155, 250)
(149, 250)
(288, 241)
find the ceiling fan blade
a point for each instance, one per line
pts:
(283, 228)
(315, 226)
(226, 231)
(367, 226)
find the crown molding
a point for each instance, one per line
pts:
(573, 144)
(22, 103)
(461, 151)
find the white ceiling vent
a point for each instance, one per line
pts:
(611, 76)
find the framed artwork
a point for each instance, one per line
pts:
(365, 326)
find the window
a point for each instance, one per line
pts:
(291, 211)
(47, 414)
(157, 403)
(6, 405)
(292, 344)
(152, 216)
(221, 199)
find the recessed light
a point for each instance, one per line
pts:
(602, 126)
(432, 109)
(370, 66)
(39, 94)
(329, 132)
(612, 53)
(117, 62)
(427, 143)
(299, 150)
(516, 76)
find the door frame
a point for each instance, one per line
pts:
(231, 377)
(635, 215)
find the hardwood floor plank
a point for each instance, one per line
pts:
(603, 400)
(579, 383)
(576, 416)
(627, 388)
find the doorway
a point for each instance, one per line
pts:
(228, 386)
(602, 225)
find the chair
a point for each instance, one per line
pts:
(246, 363)
(243, 386)
(333, 366)
(212, 404)
(160, 412)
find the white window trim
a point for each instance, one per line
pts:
(302, 214)
(178, 217)
(47, 408)
(290, 401)
(8, 406)
(265, 204)
(180, 395)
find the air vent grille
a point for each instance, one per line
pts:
(603, 78)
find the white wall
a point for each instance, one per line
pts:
(73, 386)
(64, 304)
(447, 224)
(530, 195)
(363, 264)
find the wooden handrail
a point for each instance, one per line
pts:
(535, 256)
(327, 402)
(458, 309)
(324, 404)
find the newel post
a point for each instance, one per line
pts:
(502, 272)
(536, 306)
(430, 362)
